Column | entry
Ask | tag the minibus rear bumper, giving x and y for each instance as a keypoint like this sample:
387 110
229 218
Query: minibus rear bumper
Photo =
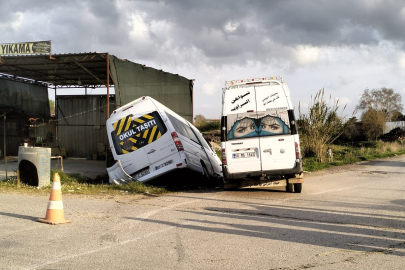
257 174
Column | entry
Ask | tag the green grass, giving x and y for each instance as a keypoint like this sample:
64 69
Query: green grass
349 154
76 184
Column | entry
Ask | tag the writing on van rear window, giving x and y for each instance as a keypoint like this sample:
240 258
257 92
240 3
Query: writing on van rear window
258 124
137 129
131 133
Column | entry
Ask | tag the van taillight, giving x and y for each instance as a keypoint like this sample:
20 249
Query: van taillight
223 157
177 142
297 151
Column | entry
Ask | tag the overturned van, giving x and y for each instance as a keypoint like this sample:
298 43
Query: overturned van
147 140
259 138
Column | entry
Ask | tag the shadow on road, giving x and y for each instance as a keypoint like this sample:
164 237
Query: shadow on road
295 225
383 163
18 216
186 180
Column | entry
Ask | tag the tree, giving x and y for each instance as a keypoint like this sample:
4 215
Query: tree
199 119
397 116
52 106
373 124
320 126
383 100
351 132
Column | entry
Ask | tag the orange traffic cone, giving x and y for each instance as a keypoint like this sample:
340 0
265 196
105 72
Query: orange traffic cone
54 213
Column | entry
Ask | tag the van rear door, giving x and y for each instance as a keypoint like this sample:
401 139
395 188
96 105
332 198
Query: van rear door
135 137
157 150
243 150
276 142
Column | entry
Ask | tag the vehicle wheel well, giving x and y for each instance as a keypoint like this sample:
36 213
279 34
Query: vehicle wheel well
203 164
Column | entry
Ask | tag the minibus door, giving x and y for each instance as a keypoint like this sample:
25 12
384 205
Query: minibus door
276 142
242 148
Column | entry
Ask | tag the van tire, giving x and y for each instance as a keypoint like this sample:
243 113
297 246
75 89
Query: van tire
230 185
205 173
298 187
289 187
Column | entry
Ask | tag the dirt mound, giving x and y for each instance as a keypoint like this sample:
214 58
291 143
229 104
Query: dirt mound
397 134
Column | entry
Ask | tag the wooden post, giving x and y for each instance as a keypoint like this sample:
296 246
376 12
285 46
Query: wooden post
5 146
108 85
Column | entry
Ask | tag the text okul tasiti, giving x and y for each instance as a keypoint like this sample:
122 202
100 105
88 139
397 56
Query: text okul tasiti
138 129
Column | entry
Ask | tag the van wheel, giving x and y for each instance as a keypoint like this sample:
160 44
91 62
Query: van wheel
289 187
205 173
230 185
298 187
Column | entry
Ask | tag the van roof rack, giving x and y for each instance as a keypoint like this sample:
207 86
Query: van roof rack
253 80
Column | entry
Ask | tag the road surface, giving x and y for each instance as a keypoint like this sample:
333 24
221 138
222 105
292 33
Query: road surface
351 217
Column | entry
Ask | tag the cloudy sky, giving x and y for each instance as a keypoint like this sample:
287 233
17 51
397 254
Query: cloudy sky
342 46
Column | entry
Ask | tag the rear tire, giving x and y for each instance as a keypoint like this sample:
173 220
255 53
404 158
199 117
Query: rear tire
205 173
230 184
289 187
298 187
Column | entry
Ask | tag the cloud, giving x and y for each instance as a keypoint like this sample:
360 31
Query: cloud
306 54
209 88
344 46
204 106
402 61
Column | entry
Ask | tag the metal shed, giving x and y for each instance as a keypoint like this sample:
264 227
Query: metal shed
96 70
81 125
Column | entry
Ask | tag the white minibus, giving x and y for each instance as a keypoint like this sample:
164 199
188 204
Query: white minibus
259 138
147 140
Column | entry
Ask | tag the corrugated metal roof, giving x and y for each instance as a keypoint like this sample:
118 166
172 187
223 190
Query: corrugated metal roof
65 70
60 70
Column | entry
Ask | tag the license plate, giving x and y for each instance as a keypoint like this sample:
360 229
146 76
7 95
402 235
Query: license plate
163 165
142 173
243 155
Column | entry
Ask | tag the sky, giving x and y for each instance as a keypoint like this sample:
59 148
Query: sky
343 47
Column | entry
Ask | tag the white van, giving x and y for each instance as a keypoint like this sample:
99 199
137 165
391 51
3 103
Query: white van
147 139
259 138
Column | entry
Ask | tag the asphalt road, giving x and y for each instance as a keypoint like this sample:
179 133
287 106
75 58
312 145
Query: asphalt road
351 217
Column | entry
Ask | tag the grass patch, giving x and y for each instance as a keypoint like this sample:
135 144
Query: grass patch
76 184
351 153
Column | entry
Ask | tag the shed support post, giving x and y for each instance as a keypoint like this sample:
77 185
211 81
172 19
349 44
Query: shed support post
5 145
108 85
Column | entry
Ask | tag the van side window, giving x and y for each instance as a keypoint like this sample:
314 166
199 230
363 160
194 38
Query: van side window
182 128
129 134
202 140
191 134
177 125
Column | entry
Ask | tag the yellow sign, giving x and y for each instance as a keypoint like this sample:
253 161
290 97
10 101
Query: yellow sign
36 47
133 134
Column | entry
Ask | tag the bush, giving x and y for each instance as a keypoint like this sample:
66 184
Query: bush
320 126
208 126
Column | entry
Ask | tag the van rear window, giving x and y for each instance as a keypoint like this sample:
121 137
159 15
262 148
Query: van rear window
132 133
261 124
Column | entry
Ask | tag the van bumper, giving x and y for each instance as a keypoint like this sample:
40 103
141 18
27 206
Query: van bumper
117 175
257 174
